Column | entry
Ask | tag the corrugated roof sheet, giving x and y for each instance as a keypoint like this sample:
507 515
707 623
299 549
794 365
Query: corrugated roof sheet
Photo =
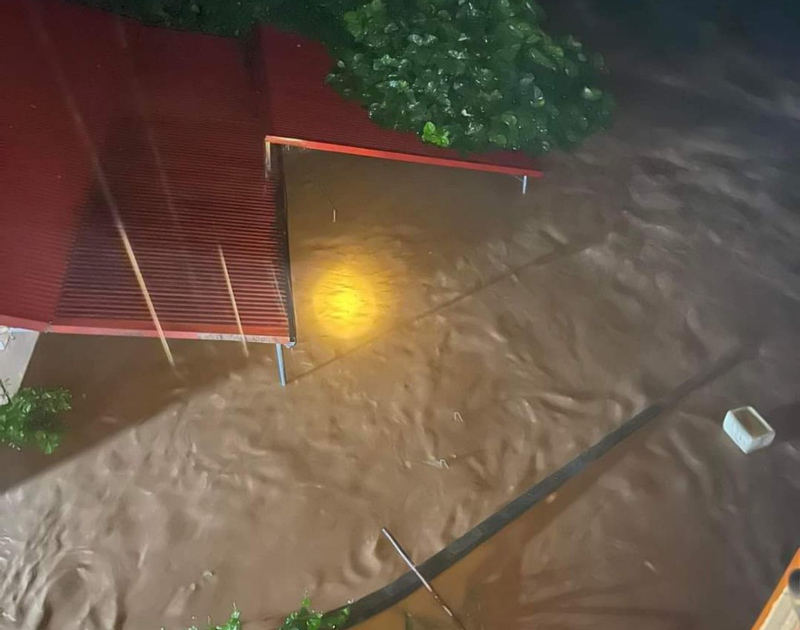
170 120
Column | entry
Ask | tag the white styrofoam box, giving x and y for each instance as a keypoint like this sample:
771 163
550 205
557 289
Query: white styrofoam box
748 429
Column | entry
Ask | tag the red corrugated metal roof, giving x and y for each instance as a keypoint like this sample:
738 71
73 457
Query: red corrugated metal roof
171 121
211 193
304 111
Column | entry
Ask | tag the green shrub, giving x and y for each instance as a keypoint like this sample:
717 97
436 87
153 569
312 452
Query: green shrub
31 418
472 74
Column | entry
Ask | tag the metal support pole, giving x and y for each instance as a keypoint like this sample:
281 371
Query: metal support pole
410 563
140 278
233 300
524 184
281 364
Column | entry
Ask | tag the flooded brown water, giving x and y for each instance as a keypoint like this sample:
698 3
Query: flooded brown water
458 342
648 537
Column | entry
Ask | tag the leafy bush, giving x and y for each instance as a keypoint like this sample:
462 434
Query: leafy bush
472 74
302 619
31 418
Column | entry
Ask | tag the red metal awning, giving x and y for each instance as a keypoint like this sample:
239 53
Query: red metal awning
207 193
304 111
162 126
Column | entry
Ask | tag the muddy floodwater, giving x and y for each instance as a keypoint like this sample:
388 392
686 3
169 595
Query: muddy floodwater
458 341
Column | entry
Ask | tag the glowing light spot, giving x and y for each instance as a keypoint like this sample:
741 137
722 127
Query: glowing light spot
347 302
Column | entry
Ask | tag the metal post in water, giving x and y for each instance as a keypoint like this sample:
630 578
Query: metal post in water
281 364
407 559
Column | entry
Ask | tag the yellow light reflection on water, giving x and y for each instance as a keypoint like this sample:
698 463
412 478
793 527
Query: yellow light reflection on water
348 301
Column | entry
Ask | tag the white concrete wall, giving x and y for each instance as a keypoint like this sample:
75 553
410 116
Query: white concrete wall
16 349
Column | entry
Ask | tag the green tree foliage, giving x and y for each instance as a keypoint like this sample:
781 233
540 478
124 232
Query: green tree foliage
31 417
472 74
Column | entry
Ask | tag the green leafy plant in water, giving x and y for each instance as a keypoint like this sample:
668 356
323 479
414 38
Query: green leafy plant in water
472 74
304 618
31 417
